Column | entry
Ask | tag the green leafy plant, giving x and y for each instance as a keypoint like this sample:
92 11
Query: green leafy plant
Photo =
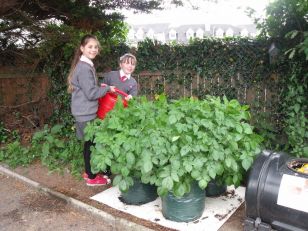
124 141
7 135
14 154
56 148
296 123
171 144
4 133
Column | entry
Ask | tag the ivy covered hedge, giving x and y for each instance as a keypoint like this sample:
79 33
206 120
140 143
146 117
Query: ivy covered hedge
237 68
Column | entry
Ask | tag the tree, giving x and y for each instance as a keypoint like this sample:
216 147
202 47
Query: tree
27 22
286 23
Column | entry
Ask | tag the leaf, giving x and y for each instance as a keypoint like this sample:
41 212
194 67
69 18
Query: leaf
195 174
292 34
50 139
125 171
234 165
175 138
228 162
130 158
164 173
172 119
161 191
247 128
185 150
175 176
292 53
215 154
59 143
247 162
123 186
296 107
180 190
45 149
202 184
238 128
147 166
167 183
188 166
212 172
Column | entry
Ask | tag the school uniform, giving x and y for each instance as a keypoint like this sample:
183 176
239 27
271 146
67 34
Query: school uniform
84 98
125 83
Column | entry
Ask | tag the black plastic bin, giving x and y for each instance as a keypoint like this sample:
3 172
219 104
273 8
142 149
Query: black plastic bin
277 194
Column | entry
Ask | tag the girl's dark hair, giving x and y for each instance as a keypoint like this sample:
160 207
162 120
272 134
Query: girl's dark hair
84 40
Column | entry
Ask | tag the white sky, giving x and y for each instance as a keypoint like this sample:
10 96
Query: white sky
225 11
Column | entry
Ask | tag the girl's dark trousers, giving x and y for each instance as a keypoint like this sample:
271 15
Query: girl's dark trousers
87 158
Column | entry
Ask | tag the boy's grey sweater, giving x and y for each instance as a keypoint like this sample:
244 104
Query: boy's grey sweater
112 78
84 101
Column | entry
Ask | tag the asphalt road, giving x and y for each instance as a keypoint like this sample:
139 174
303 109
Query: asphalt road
23 208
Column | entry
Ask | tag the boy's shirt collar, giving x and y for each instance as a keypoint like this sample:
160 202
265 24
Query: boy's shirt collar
123 74
87 60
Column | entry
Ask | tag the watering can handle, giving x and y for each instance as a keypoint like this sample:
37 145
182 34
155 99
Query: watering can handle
120 92
116 90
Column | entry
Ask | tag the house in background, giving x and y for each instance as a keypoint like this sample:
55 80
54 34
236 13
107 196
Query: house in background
167 32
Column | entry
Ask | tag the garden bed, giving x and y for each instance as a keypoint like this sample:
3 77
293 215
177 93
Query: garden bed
76 188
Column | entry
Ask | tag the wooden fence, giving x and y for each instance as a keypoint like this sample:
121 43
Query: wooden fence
23 90
261 96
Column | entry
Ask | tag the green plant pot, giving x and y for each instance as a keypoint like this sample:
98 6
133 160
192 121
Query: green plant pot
184 209
214 189
139 193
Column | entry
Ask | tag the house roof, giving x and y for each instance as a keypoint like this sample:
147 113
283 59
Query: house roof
163 29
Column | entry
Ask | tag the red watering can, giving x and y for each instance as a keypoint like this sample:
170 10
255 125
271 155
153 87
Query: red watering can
108 101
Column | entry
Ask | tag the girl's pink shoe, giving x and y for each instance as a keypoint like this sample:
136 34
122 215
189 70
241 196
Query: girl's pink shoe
98 181
85 176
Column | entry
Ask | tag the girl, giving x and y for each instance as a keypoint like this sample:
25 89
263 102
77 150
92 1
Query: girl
83 85
122 79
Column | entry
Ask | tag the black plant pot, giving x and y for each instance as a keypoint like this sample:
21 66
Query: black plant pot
184 209
139 193
214 189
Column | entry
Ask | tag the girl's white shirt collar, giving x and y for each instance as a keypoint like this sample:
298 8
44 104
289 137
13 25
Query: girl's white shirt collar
87 60
122 74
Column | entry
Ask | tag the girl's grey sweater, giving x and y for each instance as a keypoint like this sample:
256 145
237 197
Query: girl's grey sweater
130 86
84 101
